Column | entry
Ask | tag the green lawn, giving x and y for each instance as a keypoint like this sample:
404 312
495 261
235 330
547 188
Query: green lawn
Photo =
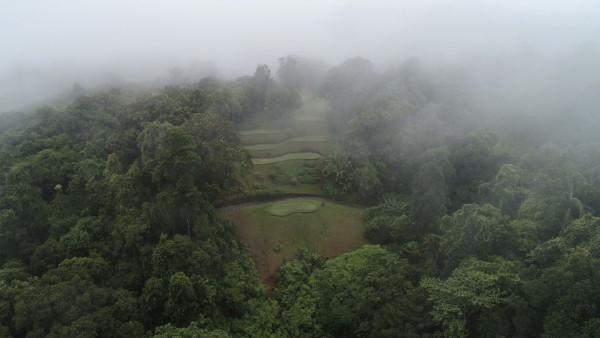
331 230
257 136
291 207
309 139
259 132
317 144
284 164
286 157
293 176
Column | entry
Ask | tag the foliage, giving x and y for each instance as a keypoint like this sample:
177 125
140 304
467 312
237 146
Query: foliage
356 292
90 188
481 225
283 101
462 302
299 72
430 197
474 230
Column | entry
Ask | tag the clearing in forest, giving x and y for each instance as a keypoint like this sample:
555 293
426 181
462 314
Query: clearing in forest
318 144
287 160
257 136
287 177
286 157
321 226
283 209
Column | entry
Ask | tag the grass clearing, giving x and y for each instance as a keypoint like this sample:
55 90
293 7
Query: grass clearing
331 230
293 176
259 132
286 157
267 146
291 207
309 139
315 144
257 136
292 165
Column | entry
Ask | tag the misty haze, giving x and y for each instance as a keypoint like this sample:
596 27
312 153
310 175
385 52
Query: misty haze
300 168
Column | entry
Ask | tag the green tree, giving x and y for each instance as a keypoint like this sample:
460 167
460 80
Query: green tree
473 297
348 86
257 88
180 306
475 161
221 155
474 230
283 101
429 200
299 72
194 330
359 292
338 168
554 202
506 191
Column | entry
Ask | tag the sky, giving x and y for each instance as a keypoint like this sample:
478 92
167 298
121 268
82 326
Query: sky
142 39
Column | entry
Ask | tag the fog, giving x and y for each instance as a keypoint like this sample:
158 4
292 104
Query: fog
49 45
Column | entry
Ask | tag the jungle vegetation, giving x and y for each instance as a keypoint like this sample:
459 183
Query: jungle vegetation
482 220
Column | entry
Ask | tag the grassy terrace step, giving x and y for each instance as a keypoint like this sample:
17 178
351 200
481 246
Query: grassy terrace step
316 144
309 139
286 157
291 207
259 132
293 176
269 146
257 136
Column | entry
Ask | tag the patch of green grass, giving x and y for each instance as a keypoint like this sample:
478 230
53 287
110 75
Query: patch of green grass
259 132
293 176
316 144
257 136
308 139
287 154
297 176
267 146
286 157
331 230
291 207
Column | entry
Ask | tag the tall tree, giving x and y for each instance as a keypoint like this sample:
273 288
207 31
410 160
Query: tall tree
474 299
430 197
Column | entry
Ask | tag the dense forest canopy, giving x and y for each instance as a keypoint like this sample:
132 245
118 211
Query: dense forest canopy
481 221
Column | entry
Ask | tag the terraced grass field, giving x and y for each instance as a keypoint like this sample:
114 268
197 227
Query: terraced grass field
317 144
258 136
291 207
330 230
309 139
287 160
293 176
260 132
306 156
